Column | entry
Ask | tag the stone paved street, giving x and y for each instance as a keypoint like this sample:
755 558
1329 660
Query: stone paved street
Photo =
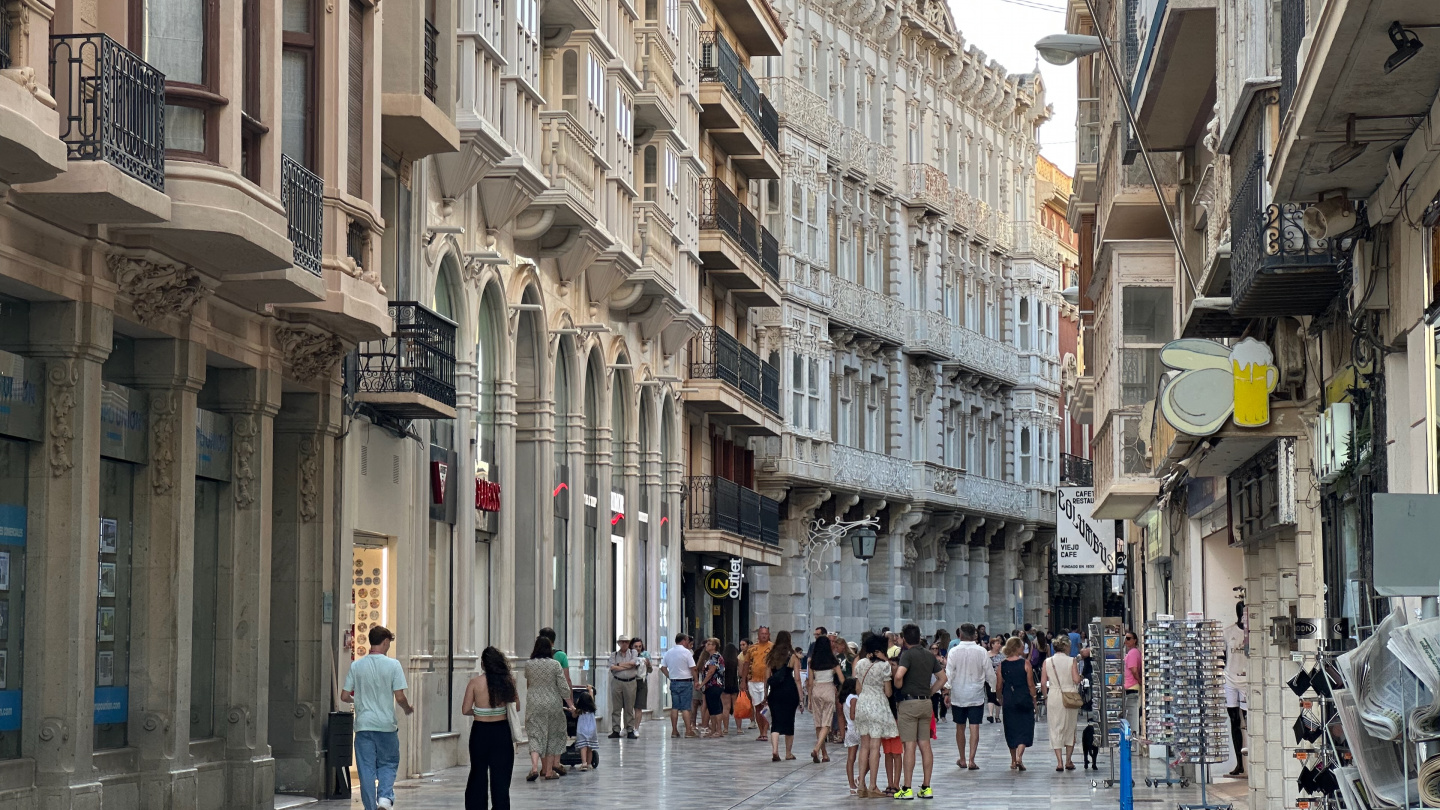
736 772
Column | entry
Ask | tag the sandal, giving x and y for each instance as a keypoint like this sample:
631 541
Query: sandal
774 757
974 767
789 756
532 776
1069 766
825 758
814 757
551 776
1020 767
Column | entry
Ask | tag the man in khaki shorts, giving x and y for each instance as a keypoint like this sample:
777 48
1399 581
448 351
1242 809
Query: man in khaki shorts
753 672
913 689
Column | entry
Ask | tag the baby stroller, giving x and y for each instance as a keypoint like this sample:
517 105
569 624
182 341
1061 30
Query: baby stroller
572 754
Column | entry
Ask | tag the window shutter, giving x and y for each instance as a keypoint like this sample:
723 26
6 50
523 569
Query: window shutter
356 150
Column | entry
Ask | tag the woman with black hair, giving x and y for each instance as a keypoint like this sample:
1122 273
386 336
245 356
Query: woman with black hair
782 694
825 676
545 689
492 751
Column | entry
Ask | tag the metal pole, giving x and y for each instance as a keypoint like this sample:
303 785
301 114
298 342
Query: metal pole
1144 148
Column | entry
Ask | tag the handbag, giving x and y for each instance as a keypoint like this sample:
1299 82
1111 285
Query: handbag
1071 700
517 729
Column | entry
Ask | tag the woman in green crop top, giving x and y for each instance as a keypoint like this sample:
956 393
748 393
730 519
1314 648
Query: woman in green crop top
492 752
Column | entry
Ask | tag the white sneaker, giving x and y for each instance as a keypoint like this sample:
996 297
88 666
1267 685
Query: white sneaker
384 803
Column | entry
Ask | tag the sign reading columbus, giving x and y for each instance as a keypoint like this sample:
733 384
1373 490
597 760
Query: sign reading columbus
1083 545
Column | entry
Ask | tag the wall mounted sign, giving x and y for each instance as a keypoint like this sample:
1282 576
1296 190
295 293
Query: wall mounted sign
212 445
487 495
717 583
21 383
1217 382
1083 545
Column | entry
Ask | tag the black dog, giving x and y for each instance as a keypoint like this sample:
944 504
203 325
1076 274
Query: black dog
1092 748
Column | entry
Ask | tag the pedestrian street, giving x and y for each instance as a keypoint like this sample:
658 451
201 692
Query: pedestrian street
735 773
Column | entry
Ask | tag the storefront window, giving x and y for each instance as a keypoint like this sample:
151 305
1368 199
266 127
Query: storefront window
112 620
13 527
203 609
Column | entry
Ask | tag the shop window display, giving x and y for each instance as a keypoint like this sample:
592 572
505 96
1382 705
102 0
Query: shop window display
369 597
13 529
112 615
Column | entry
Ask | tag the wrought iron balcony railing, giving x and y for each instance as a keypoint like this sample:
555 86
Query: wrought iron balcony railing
112 105
418 358
720 63
1076 471
431 35
721 504
1276 267
720 210
717 355
302 192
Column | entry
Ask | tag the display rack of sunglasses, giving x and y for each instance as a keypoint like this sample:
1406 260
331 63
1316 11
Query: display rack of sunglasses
1184 697
1109 698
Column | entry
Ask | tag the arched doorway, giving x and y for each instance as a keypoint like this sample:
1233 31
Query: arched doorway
532 458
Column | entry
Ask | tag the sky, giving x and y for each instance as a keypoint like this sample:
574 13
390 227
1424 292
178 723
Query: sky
1006 30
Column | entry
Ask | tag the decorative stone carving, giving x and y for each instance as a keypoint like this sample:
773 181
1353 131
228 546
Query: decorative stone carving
309 480
63 376
922 389
246 433
158 289
162 435
310 355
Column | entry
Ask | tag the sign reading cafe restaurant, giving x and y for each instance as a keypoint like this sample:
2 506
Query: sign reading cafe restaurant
1083 545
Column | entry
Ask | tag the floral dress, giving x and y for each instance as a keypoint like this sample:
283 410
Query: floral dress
545 694
872 711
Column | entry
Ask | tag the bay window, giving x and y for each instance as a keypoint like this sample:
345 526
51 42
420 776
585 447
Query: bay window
297 82
180 39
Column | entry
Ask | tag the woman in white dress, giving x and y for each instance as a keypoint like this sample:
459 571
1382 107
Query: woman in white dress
1060 674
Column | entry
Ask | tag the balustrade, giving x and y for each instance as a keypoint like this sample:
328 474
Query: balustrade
112 105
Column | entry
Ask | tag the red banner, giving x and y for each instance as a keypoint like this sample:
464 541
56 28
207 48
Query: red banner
487 495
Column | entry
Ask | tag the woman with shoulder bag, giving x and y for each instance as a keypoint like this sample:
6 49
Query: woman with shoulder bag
782 694
489 698
1061 675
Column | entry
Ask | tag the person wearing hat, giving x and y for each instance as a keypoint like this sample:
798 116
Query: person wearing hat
624 669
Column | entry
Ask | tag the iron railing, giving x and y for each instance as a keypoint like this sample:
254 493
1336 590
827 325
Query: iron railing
302 192
418 357
720 63
4 36
1277 268
720 210
721 504
717 355
431 36
1292 32
1076 471
112 103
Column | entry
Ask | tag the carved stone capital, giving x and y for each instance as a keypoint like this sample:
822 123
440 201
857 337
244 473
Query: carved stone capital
311 355
157 288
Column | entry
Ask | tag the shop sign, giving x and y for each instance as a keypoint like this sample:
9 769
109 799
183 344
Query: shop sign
717 583
212 445
487 495
21 413
112 704
1216 384
1083 545
122 423
10 710
443 498
13 521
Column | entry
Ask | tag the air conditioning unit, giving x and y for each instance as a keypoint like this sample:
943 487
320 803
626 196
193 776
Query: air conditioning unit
1333 441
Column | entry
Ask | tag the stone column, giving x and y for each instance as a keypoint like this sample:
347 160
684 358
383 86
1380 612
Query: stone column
779 596
901 562
251 397
303 558
502 549
73 340
464 643
956 609
1002 569
171 372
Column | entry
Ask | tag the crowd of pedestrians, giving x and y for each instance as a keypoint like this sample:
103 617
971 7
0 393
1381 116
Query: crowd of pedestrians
881 698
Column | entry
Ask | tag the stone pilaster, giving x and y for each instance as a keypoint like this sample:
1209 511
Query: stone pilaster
467 639
63 557
780 596
1003 568
303 568
162 570
502 551
251 398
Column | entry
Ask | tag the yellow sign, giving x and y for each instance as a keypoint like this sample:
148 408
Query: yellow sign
1216 381
717 583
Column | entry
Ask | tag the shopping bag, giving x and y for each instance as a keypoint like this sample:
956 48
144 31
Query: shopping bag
743 709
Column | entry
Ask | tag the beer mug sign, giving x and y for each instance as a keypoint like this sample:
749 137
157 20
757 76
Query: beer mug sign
1216 381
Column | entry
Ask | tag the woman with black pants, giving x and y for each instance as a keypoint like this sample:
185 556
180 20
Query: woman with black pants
492 749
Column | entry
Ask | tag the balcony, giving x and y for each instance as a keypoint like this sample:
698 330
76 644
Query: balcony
978 354
417 103
801 110
861 158
733 384
29 150
756 26
1123 486
1276 267
927 188
735 114
867 310
930 335
659 96
411 374
112 122
1038 242
1088 143
728 520
947 486
1076 471
869 473
739 253
302 195
1174 84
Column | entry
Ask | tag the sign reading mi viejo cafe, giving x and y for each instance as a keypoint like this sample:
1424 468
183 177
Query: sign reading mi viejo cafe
1217 383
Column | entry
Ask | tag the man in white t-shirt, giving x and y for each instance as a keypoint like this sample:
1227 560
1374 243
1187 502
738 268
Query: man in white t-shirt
967 675
678 666
375 684
1237 702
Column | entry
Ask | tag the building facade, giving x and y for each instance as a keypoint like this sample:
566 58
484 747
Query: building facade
916 336
1299 184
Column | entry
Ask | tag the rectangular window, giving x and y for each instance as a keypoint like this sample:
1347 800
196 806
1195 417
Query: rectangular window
204 609
813 390
797 390
845 411
14 475
112 614
355 149
177 38
1146 315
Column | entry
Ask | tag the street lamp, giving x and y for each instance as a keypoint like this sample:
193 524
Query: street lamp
1062 49
862 543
